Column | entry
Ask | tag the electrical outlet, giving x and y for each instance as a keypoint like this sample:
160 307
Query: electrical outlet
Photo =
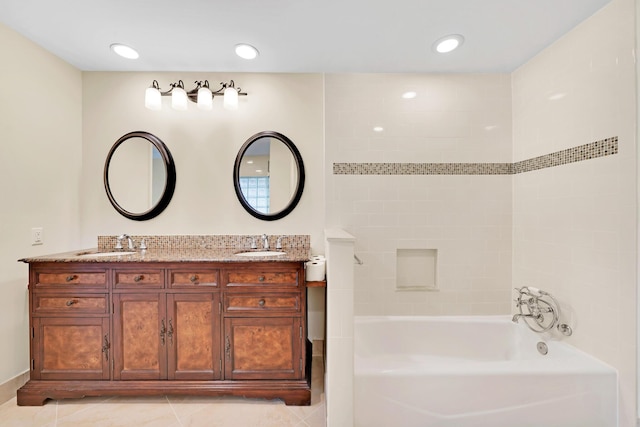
37 236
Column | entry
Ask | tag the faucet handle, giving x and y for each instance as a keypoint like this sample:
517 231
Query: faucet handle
119 240
279 242
254 244
143 245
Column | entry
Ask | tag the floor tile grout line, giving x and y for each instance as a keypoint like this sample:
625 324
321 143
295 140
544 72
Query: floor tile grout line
174 411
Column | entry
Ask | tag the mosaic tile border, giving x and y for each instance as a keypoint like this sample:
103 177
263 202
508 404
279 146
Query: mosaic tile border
605 147
228 241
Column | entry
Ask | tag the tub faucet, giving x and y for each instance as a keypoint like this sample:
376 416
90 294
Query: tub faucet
265 241
129 241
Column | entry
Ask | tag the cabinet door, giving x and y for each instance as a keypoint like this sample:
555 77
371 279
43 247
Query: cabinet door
140 336
263 348
193 336
70 348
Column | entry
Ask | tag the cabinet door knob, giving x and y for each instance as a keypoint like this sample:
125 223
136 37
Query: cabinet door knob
261 279
261 302
70 277
138 278
71 302
194 278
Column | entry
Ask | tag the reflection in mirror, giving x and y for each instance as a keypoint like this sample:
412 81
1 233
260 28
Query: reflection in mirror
269 175
139 176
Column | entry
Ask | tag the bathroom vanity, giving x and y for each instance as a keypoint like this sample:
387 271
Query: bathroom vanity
168 322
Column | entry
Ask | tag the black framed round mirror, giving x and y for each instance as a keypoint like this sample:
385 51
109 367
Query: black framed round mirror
268 175
139 176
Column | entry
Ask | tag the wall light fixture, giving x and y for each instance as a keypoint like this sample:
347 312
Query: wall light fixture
202 95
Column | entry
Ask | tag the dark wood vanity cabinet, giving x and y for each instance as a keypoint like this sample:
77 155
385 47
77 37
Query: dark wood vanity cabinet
168 328
70 323
166 336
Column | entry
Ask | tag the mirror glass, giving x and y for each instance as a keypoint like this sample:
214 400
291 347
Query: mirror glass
269 175
139 176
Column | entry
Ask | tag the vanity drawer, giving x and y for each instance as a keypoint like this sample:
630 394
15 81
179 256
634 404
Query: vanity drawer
69 304
151 279
193 278
282 303
94 279
262 278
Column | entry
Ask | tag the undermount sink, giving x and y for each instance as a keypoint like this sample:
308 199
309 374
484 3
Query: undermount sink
261 253
101 254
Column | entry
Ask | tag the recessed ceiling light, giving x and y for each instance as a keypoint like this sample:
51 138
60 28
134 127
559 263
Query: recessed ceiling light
125 51
448 43
378 129
246 51
409 95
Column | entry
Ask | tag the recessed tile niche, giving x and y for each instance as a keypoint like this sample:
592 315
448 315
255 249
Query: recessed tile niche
416 269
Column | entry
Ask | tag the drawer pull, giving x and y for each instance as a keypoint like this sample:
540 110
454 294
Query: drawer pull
194 278
71 277
138 278
261 279
261 302
71 302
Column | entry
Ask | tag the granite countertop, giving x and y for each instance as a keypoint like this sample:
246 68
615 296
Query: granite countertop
173 255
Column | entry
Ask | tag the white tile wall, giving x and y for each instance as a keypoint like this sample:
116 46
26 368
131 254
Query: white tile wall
454 118
575 225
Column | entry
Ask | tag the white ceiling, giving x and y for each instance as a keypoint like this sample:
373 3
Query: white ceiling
296 35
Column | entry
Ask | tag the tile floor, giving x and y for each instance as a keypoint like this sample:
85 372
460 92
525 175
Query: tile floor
172 411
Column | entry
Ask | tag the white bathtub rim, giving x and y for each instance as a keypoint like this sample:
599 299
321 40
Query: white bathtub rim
492 319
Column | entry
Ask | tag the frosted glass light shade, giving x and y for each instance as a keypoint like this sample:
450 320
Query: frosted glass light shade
205 99
152 99
179 99
230 98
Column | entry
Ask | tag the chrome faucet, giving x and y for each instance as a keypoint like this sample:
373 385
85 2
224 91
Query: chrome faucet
516 317
129 241
265 241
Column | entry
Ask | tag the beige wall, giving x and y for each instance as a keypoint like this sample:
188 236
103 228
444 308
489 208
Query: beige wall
204 145
40 163
575 225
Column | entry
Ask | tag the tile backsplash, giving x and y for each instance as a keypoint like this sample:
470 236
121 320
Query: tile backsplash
206 241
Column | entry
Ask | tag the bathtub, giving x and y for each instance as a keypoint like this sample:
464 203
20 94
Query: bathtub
474 371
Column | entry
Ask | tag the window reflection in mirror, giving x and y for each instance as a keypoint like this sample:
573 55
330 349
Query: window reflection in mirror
268 175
